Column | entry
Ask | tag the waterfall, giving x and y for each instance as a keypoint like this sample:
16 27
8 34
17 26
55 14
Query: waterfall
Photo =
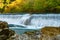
34 21
26 19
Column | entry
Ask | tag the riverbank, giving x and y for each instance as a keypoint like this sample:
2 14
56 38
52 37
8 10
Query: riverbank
46 33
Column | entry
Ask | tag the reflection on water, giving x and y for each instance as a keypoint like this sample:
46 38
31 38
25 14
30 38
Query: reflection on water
34 21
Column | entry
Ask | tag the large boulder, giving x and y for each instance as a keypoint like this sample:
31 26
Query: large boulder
6 33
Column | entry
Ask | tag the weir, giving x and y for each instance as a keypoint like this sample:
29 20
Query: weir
32 21
26 22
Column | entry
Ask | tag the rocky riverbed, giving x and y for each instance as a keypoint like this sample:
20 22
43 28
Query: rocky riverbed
46 33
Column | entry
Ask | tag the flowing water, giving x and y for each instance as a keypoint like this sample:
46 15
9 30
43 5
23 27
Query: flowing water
24 22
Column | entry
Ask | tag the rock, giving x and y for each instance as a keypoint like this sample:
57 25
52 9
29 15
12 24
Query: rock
46 33
57 37
6 33
32 35
50 33
3 25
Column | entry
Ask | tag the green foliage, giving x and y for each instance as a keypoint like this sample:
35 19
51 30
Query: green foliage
16 10
35 6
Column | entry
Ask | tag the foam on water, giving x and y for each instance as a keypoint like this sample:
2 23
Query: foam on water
34 21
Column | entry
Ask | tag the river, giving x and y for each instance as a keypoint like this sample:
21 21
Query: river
26 22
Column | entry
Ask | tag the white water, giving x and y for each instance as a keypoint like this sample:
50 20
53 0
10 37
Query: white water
35 21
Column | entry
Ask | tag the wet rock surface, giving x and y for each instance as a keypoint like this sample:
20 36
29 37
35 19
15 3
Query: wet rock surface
46 33
3 25
5 32
50 33
33 35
